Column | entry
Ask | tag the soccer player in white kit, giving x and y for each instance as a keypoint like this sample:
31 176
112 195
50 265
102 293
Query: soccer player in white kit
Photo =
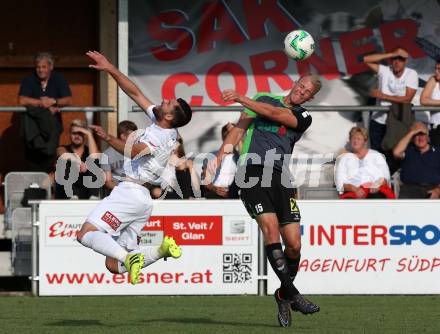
113 227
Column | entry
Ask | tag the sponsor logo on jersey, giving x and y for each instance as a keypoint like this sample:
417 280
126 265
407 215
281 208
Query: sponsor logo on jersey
293 206
111 220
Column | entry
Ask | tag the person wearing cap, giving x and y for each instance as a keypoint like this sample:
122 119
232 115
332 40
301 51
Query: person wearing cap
123 214
420 167
397 84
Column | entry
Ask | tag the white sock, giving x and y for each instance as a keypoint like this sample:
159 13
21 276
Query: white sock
151 255
104 244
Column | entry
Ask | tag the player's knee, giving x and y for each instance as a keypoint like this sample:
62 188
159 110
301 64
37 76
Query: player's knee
271 237
293 249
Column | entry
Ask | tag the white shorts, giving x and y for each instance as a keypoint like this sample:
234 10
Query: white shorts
123 213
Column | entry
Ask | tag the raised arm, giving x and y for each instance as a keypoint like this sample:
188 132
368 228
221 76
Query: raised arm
283 116
400 148
128 86
373 60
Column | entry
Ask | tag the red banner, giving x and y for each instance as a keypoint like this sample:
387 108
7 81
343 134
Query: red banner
194 230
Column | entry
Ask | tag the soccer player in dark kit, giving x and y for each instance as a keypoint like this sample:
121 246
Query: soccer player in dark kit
273 124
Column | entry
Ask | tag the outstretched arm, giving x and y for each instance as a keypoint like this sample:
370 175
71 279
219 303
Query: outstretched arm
283 116
128 86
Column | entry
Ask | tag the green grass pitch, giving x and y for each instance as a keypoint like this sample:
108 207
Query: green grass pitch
216 314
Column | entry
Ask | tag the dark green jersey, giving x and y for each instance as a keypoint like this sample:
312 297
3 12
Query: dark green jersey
264 135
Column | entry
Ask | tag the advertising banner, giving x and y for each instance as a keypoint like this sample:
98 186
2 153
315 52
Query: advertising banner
196 49
218 239
348 247
368 247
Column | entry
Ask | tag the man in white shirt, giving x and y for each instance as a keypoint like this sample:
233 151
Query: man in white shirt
397 84
125 211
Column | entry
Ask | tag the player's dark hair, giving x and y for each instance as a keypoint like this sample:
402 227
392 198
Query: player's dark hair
125 126
182 114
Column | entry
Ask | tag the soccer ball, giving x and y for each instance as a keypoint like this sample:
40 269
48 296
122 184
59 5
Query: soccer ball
299 44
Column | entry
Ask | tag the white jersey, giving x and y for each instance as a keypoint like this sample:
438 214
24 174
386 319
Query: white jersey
390 85
161 143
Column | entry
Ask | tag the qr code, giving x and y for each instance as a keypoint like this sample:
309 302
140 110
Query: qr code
237 267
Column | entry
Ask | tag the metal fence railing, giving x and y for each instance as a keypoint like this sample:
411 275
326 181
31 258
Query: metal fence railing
309 108
225 108
64 109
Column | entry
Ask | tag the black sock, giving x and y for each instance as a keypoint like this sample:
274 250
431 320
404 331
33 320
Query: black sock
292 265
279 264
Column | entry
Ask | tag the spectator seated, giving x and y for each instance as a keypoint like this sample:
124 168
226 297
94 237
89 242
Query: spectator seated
363 172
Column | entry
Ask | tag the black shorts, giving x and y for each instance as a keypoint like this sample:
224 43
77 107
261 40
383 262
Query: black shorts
269 199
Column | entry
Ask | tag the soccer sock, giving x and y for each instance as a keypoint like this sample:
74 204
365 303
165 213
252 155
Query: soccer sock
151 255
104 244
279 264
292 265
